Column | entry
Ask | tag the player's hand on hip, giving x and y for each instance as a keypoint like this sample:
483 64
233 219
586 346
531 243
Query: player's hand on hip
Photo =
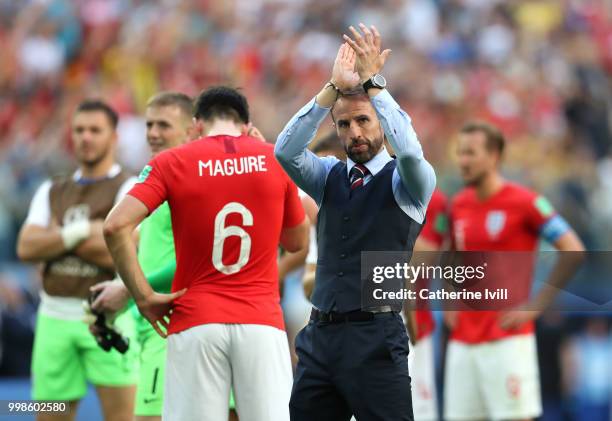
370 60
112 296
514 319
343 72
156 308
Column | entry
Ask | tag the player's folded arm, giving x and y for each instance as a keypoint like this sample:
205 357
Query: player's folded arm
38 239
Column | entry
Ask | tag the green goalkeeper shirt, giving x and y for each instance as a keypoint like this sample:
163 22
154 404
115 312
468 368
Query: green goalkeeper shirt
156 256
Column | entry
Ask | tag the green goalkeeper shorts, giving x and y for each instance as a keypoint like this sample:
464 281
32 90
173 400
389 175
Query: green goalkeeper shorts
150 392
66 357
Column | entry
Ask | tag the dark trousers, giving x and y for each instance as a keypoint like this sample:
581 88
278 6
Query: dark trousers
352 368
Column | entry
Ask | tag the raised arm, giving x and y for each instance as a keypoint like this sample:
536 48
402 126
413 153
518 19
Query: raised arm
414 177
414 180
307 170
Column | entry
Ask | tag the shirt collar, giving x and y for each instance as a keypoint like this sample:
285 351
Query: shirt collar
374 165
114 170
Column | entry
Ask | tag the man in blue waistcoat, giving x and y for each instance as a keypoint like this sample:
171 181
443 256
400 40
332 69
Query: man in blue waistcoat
351 361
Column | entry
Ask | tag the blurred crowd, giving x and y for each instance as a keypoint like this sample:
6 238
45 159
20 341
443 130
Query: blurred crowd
539 69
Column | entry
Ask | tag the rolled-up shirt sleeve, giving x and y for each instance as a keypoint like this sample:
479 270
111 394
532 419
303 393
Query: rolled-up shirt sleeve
414 179
306 169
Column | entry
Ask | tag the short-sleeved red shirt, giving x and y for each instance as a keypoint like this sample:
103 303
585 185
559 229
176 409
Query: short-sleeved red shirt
434 231
510 220
229 200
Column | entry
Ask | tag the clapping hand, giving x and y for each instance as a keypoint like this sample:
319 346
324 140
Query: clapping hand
344 76
369 60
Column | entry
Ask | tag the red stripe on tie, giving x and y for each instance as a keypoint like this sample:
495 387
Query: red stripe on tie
357 183
357 175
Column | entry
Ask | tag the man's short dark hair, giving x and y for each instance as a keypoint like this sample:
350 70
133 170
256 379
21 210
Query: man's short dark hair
495 140
176 99
354 92
90 105
222 102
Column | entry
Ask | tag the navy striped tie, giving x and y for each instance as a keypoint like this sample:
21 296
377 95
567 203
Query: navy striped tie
357 175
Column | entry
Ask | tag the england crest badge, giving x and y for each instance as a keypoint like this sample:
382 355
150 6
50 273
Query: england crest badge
495 222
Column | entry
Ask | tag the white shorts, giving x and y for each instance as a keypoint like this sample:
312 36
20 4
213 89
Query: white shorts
422 373
205 361
496 380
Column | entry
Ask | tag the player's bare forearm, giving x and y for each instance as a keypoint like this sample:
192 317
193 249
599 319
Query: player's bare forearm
291 261
39 244
571 256
118 229
123 252
96 252
308 281
94 249
296 238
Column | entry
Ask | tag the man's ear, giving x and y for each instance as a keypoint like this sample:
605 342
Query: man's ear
199 128
246 128
191 132
498 159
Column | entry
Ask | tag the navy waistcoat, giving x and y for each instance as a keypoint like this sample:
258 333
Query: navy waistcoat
369 219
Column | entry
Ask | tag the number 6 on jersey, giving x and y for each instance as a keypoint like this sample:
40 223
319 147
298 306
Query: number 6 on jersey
222 232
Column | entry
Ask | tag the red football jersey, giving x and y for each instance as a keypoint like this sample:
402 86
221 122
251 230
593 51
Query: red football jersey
510 220
229 200
436 219
434 231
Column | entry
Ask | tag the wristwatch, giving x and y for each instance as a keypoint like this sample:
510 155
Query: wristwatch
376 81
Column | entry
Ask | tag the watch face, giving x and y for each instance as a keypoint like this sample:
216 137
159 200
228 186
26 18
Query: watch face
379 81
